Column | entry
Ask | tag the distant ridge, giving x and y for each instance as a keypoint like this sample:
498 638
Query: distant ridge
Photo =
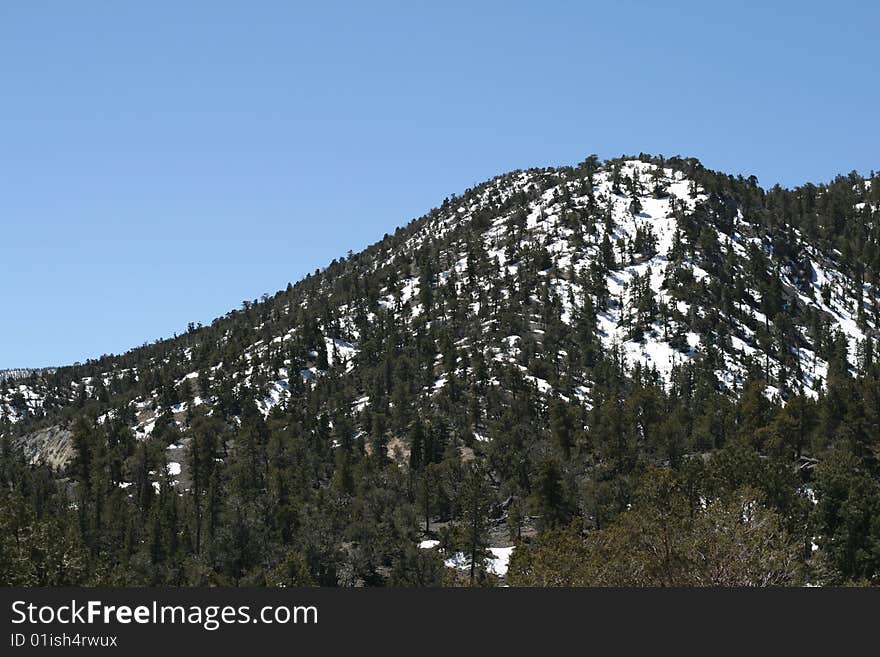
22 373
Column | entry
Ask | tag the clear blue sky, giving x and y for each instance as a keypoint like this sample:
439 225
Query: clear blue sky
161 161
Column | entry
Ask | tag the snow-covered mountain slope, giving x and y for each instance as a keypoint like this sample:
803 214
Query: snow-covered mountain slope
657 263
653 295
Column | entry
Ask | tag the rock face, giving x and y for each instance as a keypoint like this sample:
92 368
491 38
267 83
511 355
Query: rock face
52 446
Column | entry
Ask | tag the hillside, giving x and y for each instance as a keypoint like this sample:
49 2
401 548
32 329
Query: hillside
551 360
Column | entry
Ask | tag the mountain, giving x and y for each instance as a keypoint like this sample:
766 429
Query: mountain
535 354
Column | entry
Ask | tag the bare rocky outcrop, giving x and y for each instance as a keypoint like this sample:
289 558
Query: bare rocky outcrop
52 446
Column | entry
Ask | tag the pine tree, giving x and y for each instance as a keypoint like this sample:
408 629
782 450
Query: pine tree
476 499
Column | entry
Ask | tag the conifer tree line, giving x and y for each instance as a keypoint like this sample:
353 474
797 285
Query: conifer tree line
441 389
